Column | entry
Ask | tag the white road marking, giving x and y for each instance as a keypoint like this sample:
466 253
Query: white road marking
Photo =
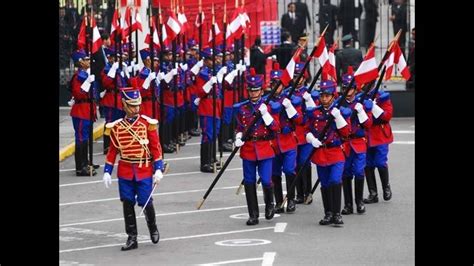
160 214
115 179
268 258
166 160
156 194
85 231
409 142
242 242
171 238
280 227
69 238
245 216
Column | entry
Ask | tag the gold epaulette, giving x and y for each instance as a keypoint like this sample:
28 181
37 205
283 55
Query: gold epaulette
153 123
110 125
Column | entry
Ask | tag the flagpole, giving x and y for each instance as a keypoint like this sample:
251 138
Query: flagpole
160 38
91 94
224 63
175 82
136 43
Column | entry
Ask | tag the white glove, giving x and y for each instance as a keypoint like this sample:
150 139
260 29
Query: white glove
200 63
102 94
146 83
174 71
71 102
107 180
340 121
157 176
223 70
208 86
197 101
184 67
267 118
289 108
136 68
86 85
113 70
230 77
376 110
91 78
196 67
168 76
159 77
308 100
310 138
361 114
122 74
238 140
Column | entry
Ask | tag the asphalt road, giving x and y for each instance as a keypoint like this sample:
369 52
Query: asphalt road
92 227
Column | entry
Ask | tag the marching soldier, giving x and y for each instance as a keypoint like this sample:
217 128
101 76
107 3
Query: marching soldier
230 97
303 185
146 81
135 138
355 146
204 83
256 151
285 142
112 79
329 157
82 81
190 78
379 137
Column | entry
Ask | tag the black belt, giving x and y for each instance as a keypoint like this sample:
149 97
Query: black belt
82 101
329 146
257 138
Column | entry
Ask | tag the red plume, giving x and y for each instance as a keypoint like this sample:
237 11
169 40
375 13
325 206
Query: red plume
252 71
350 70
276 66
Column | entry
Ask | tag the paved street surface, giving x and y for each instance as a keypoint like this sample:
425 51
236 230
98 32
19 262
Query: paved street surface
92 227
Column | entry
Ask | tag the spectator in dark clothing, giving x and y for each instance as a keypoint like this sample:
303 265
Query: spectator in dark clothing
293 22
64 41
346 17
303 42
72 22
411 62
257 57
327 16
348 56
371 18
284 51
302 8
399 20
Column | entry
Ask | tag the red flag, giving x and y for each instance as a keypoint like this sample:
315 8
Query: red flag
173 27
183 20
332 62
367 70
115 27
219 35
156 41
81 37
287 75
124 24
136 21
401 63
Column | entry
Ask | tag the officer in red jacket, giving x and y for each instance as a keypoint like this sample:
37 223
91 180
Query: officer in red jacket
135 138
81 83
257 149
285 142
355 146
379 137
329 157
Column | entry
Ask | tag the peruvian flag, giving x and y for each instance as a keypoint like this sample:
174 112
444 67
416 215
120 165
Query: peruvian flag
173 27
164 36
322 55
124 23
183 20
156 41
115 27
219 35
389 65
237 23
136 22
332 62
96 40
401 63
287 75
367 70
